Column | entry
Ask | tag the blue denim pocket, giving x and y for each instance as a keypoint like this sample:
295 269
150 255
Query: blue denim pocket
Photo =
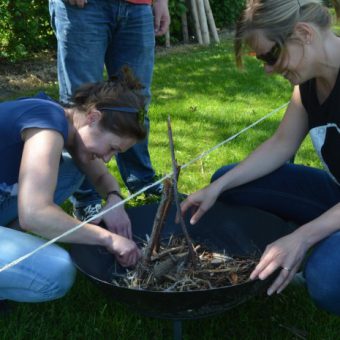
3 196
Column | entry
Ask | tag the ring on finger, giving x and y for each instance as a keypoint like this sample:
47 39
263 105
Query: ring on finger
286 269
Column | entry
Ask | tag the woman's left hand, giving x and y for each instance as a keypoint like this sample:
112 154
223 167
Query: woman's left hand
116 220
286 253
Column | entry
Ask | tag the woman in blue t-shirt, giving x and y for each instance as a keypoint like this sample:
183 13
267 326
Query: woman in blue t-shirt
293 38
46 150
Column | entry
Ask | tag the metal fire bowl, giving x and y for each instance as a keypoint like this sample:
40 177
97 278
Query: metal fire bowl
235 230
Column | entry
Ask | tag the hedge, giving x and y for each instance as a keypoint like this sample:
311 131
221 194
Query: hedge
25 25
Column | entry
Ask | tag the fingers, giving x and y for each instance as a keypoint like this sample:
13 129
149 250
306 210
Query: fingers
282 280
162 26
197 215
185 205
270 262
118 222
265 267
286 282
78 3
130 259
156 24
162 17
197 211
197 207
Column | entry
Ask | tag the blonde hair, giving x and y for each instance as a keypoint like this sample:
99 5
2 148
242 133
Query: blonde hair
277 19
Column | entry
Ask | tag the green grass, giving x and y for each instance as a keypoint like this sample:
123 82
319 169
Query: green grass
209 101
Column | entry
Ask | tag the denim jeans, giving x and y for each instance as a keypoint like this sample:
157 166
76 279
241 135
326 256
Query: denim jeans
113 33
48 274
299 193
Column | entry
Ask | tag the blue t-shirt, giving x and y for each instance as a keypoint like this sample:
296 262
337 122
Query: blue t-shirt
15 117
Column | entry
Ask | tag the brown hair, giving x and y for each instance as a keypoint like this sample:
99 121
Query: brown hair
277 19
123 91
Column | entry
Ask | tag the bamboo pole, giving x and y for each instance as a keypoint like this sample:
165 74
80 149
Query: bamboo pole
167 39
196 21
175 169
211 21
159 221
185 31
203 22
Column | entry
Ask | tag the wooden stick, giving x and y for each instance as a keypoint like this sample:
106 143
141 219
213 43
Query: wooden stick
211 21
196 21
203 22
167 39
159 221
175 169
185 31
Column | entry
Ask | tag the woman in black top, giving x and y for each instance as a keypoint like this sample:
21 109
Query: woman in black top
293 38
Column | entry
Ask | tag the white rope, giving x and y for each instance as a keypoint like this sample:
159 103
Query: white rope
101 213
233 137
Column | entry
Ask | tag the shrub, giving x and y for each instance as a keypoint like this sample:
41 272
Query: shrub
24 28
25 25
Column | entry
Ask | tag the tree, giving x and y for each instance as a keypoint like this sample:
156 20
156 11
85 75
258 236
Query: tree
336 4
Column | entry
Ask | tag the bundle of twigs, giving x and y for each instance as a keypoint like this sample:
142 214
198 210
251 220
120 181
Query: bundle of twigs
179 265
170 270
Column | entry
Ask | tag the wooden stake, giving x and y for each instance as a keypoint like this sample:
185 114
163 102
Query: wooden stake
159 221
185 31
211 21
175 169
167 39
196 21
203 22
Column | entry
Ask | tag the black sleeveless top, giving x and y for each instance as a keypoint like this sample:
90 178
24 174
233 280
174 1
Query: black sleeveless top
324 125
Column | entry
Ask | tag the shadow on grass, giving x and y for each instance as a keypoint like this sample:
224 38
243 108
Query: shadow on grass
88 313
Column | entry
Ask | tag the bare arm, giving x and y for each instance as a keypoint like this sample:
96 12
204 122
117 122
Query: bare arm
38 212
275 151
115 219
266 158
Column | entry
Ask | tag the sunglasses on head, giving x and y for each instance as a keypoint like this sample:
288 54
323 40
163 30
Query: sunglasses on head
272 56
139 113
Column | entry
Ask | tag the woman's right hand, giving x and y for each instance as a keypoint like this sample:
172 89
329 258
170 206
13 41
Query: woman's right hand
125 250
200 201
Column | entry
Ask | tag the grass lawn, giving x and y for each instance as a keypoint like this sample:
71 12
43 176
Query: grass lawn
209 100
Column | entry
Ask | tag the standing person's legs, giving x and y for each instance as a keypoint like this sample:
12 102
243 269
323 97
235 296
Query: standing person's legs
82 35
133 44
